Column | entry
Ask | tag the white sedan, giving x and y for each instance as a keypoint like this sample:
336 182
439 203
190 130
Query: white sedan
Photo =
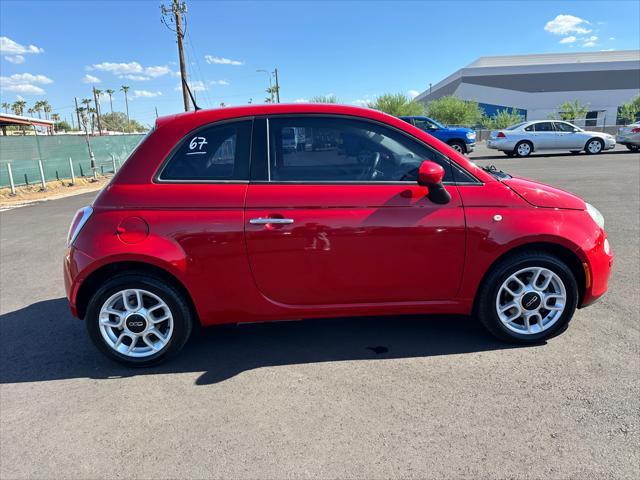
526 137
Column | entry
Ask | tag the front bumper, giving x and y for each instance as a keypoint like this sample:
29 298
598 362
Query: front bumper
597 266
609 144
470 147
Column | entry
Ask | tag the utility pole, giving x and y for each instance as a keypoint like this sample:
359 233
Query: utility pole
77 112
177 10
95 99
156 112
275 73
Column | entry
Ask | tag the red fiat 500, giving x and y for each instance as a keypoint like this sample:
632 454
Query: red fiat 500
277 212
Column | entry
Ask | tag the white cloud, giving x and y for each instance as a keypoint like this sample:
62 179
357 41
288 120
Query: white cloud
590 41
158 71
301 100
144 94
222 60
361 102
136 78
17 59
24 83
219 82
117 68
10 47
413 93
566 24
200 86
90 79
612 38
569 39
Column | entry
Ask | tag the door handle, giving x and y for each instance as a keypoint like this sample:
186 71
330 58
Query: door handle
273 221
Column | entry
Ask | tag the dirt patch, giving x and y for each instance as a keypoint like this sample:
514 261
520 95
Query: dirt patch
55 189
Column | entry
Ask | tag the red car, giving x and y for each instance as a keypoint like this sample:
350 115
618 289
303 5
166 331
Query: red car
278 212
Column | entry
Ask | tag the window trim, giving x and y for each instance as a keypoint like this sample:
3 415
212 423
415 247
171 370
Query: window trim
174 150
477 182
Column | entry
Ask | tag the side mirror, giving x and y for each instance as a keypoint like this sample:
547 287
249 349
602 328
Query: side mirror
430 175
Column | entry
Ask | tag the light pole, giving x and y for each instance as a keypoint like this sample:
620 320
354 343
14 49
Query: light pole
270 87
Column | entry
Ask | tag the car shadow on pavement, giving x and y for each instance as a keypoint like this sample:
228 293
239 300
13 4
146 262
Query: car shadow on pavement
44 342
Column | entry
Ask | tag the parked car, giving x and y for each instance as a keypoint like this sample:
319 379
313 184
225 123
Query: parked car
461 139
526 137
398 223
629 136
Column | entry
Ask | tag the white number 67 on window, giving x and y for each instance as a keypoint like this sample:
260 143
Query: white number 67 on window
197 142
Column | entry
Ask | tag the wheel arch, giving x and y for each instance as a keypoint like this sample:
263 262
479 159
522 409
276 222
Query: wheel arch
101 274
525 140
569 257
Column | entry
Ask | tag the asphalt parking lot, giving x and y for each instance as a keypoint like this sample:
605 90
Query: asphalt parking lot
313 399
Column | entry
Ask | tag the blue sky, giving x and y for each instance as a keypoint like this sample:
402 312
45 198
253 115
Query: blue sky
56 50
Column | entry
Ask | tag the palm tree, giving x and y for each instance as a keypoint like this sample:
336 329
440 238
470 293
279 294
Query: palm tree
37 107
125 89
110 92
87 103
6 107
83 118
18 107
30 111
47 109
55 117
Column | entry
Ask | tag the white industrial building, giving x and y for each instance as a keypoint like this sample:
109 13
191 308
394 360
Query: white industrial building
537 84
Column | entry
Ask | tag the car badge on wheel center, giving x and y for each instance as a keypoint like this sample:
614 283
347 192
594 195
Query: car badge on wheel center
136 323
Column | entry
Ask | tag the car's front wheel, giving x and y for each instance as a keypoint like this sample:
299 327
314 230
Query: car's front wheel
528 297
594 146
458 146
633 148
138 320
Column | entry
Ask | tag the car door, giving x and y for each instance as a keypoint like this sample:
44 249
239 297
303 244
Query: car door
342 221
545 136
568 136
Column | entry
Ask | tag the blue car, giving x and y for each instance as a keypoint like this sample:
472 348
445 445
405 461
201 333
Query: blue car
461 139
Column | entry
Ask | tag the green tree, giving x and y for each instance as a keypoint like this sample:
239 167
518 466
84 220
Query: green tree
503 119
125 89
110 92
18 107
37 107
629 112
6 106
46 108
62 126
324 99
397 104
571 111
454 111
117 122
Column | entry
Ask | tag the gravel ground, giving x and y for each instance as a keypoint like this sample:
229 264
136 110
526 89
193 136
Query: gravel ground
312 399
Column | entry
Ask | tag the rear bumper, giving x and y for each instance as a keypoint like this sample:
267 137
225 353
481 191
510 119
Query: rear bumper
74 263
470 147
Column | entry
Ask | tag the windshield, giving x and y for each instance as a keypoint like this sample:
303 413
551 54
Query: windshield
438 124
517 125
494 172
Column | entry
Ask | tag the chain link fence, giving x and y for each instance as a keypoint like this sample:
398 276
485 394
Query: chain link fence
23 153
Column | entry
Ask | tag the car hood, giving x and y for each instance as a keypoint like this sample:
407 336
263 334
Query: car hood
542 195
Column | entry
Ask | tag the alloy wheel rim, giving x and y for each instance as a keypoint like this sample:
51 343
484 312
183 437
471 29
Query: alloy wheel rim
136 323
524 149
457 147
531 300
595 146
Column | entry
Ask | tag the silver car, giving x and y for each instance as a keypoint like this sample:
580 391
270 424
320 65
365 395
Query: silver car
526 137
629 136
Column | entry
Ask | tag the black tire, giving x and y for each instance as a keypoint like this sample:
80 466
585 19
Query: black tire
487 294
589 142
458 146
523 154
633 148
180 310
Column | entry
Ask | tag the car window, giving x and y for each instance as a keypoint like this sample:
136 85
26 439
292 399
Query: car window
424 124
530 128
563 127
325 149
544 127
218 152
517 125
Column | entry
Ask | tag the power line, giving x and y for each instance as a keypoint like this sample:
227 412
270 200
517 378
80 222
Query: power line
175 14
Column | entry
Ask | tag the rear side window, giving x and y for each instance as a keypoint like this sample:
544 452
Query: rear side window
218 152
544 127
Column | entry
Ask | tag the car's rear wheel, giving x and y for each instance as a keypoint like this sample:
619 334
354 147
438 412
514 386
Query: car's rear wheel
458 146
633 148
528 297
523 149
594 146
138 320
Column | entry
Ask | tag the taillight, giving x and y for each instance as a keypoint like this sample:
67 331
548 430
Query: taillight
78 222
635 130
501 135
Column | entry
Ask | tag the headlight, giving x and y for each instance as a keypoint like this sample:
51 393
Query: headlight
596 215
471 134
